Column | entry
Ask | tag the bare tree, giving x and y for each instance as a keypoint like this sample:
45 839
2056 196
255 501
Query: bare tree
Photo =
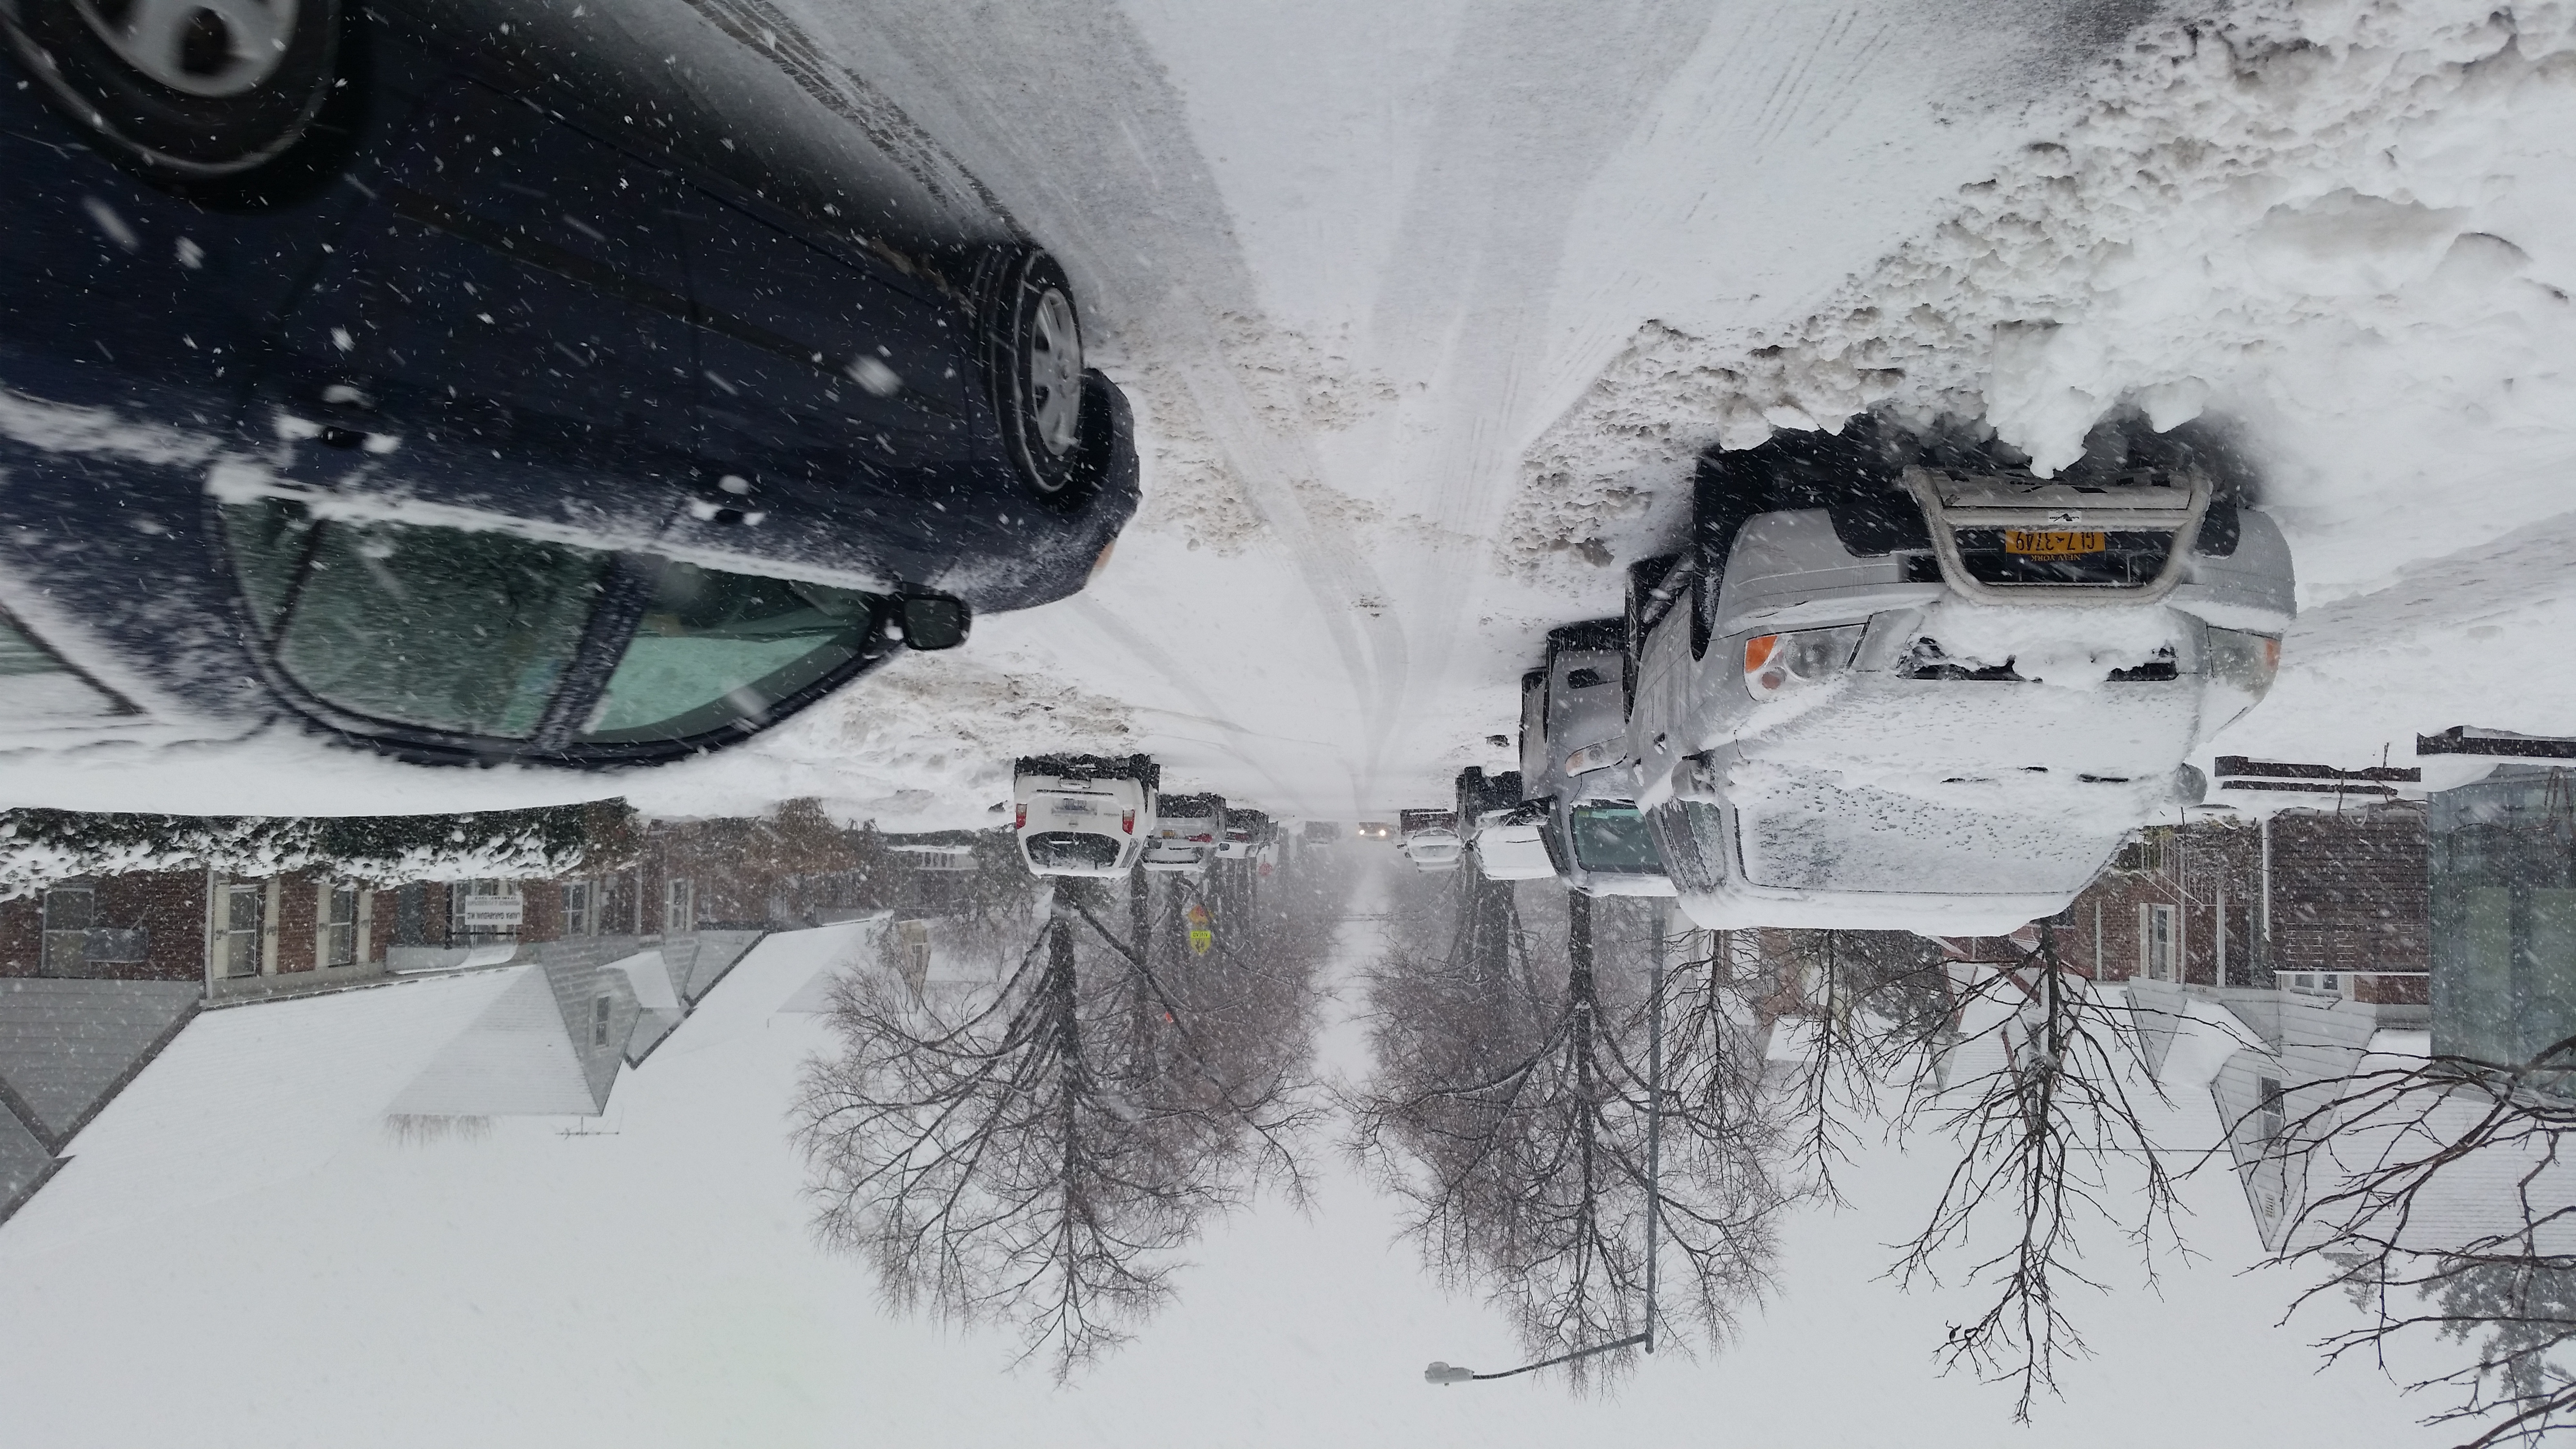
1510 1111
2440 1196
1862 1005
2034 1082
1042 1152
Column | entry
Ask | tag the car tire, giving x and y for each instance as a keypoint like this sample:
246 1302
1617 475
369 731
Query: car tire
1143 770
1644 611
1470 794
211 93
1033 367
1727 490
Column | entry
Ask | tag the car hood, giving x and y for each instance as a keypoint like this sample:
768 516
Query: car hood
1919 832
1880 723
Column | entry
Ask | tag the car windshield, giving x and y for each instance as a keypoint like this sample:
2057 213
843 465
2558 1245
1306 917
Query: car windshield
1877 840
1611 837
441 628
1072 850
715 647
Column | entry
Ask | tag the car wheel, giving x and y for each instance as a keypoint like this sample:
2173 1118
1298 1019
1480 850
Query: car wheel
1727 490
188 90
1470 794
1648 603
1033 360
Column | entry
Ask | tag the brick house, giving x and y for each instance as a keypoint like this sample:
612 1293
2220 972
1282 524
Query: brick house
2330 901
236 935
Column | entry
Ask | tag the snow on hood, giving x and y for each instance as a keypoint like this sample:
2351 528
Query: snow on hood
1916 832
1882 729
2064 646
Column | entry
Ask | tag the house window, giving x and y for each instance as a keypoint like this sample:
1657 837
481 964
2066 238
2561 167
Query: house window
679 909
2142 856
599 1021
2267 1107
339 925
238 929
581 908
2156 942
69 913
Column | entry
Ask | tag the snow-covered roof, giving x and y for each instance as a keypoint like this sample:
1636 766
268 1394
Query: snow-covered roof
251 1095
65 1045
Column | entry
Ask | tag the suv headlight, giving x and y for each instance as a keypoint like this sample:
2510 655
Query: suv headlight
1777 663
2246 661
1592 757
2237 670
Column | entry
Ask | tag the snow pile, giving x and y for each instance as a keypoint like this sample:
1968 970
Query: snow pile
2351 226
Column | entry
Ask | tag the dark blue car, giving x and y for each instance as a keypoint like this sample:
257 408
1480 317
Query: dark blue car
363 373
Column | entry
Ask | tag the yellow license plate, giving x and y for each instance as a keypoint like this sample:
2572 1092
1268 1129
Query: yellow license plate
2036 543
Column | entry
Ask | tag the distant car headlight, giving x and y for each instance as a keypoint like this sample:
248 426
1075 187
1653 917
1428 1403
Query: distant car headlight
1592 757
1777 663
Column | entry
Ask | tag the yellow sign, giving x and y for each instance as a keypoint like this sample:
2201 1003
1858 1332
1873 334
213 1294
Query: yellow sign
1202 929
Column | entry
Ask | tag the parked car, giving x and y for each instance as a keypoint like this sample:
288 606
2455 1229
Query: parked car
1430 839
1901 682
1247 831
461 422
1083 815
1502 830
1575 769
1186 832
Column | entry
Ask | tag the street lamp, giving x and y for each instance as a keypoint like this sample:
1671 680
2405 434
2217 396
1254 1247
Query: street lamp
1449 1373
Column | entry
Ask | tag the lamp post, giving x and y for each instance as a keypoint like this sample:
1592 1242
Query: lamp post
1449 1373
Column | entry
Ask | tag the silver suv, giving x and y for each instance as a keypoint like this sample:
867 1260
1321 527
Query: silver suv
1901 682
1575 766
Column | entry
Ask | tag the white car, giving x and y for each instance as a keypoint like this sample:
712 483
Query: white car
1502 830
1187 831
1246 833
1081 815
1435 849
1903 688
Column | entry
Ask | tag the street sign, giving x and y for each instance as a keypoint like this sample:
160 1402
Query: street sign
1202 929
490 913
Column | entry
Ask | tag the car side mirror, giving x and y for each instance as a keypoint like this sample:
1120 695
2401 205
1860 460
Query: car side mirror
935 621
1531 812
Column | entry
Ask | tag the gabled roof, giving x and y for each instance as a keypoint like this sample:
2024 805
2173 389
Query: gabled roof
66 1046
514 1059
249 1095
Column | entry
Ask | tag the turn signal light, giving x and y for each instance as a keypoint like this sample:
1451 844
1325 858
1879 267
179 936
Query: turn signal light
1774 663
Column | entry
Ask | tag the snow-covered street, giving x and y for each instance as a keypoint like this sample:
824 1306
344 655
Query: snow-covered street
1429 316
1426 314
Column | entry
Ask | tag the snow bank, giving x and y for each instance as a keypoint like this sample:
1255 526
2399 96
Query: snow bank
2350 226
